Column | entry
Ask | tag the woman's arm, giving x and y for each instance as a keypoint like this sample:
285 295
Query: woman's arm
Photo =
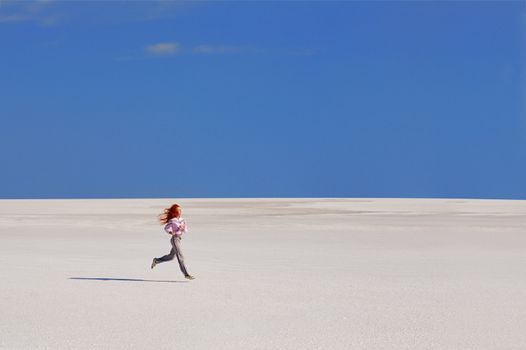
168 228
177 228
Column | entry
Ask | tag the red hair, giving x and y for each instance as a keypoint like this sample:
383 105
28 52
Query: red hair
169 213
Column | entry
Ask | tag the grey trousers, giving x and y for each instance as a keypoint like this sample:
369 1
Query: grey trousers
176 251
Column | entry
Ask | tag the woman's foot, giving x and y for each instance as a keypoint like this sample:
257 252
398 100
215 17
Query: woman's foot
154 262
189 277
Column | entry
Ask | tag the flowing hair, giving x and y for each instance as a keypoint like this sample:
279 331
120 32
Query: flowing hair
169 214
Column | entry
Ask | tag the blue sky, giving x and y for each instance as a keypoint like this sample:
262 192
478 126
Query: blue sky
263 99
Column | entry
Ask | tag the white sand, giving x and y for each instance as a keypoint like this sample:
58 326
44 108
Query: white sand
271 274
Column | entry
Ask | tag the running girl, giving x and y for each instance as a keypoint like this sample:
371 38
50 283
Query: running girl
174 225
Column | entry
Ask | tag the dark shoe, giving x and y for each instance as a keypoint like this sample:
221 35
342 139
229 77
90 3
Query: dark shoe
154 262
189 277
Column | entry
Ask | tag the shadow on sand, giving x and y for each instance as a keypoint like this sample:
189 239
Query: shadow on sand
122 279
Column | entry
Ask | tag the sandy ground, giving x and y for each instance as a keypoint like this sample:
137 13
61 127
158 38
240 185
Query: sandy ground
270 274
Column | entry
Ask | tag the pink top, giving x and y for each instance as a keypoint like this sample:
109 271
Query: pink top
176 226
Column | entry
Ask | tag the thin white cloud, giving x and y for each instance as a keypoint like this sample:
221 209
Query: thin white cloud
36 6
34 11
175 48
172 48
164 49
14 18
45 13
161 10
49 21
210 49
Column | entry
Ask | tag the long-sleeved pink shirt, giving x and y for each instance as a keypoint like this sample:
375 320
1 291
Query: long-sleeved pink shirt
176 226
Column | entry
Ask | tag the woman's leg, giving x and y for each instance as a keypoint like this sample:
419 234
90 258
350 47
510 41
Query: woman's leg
168 256
176 243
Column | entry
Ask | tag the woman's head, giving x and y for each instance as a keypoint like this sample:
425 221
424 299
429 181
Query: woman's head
169 213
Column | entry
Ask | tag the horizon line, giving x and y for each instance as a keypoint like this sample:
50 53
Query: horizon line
284 198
